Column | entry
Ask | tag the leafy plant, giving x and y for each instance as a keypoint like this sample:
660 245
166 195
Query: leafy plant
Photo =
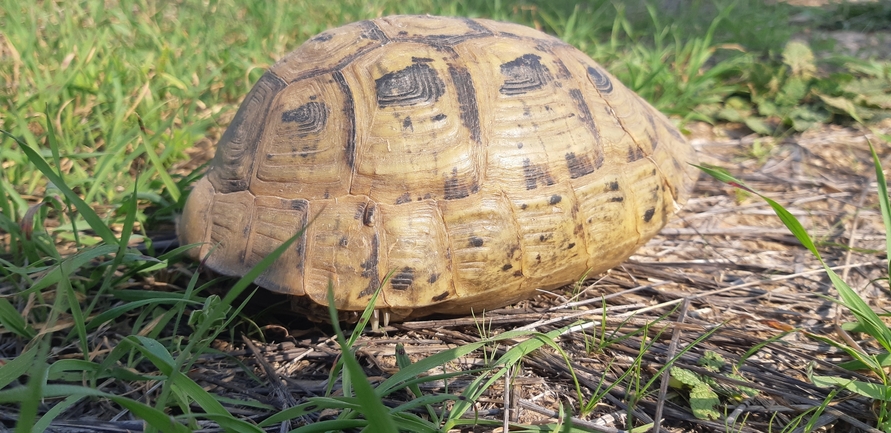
705 392
796 95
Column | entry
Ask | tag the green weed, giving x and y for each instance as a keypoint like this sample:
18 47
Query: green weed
867 321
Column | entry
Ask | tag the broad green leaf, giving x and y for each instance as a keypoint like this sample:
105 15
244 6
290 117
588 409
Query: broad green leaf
872 390
703 401
12 320
843 104
799 57
685 376
15 368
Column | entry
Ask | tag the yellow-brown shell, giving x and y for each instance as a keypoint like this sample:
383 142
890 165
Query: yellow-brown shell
475 160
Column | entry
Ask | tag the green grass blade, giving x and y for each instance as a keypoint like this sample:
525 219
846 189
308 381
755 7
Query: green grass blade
871 322
52 141
69 265
13 321
375 412
154 417
16 368
85 210
44 422
333 425
883 204
172 188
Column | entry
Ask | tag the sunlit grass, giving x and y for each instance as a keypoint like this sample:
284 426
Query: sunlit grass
104 106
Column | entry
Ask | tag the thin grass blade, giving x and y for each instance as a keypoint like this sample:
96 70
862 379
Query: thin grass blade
85 210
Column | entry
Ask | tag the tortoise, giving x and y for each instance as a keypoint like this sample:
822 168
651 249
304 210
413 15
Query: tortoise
462 163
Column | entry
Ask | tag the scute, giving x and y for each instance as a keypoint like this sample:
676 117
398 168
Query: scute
454 164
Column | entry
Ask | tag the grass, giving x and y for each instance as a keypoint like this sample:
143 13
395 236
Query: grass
104 105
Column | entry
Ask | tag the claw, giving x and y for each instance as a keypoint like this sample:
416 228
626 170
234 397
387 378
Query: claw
386 318
375 319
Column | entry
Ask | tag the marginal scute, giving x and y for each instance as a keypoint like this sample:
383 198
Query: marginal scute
451 165
406 230
351 271
275 221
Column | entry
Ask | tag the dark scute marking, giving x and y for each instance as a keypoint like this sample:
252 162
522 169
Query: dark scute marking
416 84
601 82
634 153
518 273
439 117
369 267
506 267
453 188
372 31
570 246
467 105
349 117
404 198
579 165
673 130
562 71
523 206
403 279
524 74
649 116
421 60
343 242
300 243
588 120
433 278
547 237
299 205
322 37
406 124
613 186
535 174
368 215
648 215
477 27
555 199
440 296
310 118
360 210
475 30
476 242
617 199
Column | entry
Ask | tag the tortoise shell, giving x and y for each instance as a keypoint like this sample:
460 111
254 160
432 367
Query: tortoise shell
469 160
